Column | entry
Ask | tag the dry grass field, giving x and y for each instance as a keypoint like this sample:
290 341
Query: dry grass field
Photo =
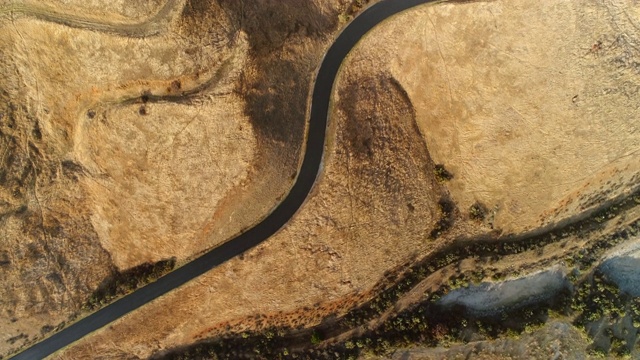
130 138
135 133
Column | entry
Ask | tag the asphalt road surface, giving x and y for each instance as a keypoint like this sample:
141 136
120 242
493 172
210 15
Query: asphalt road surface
311 167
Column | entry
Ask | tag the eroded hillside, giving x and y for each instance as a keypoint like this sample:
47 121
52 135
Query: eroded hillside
475 149
138 134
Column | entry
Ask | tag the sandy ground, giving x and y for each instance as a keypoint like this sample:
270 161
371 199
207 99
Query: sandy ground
487 298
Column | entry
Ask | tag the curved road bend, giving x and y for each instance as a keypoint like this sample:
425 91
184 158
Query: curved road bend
273 222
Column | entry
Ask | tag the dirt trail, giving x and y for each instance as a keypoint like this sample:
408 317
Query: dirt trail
152 26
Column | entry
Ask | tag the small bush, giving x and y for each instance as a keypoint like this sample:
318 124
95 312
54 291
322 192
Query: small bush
315 338
477 211
441 173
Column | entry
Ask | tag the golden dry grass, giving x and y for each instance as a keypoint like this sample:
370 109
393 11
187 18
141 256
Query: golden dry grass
535 138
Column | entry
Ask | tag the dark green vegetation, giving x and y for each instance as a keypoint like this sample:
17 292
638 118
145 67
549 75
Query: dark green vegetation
441 173
609 316
447 217
478 211
123 282
376 326
427 324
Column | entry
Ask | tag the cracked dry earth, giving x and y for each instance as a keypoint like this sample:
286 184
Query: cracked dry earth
532 107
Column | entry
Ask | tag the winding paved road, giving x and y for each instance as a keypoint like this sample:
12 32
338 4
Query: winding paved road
311 167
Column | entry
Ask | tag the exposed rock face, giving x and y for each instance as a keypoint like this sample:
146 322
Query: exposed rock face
622 266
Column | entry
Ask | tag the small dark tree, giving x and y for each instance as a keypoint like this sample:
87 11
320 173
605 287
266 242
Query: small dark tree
477 211
316 338
441 173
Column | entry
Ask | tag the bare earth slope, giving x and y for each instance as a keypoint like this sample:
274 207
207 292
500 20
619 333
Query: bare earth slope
96 163
451 122
422 86
533 116
108 167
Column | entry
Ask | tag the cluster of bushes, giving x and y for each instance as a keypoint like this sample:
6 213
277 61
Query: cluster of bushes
478 211
596 298
586 258
481 248
454 254
447 217
352 10
122 283
271 343
428 323
441 173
